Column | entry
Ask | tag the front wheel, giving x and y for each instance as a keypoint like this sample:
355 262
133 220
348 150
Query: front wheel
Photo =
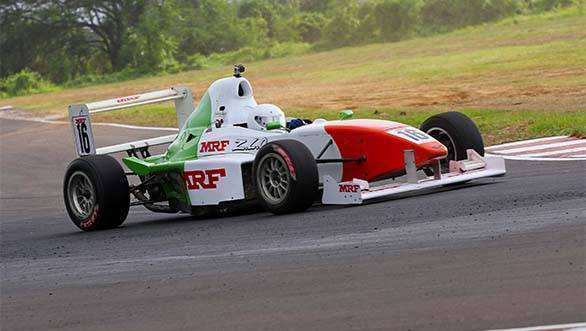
457 132
286 177
96 194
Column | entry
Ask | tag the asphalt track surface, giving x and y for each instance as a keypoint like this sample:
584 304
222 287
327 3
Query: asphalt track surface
498 253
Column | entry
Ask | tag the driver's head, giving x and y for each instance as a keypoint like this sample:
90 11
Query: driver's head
261 115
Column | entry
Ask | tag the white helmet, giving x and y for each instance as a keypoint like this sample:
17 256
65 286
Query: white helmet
261 115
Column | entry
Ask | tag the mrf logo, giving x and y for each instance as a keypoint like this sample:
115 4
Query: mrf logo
79 120
127 99
349 188
214 146
203 179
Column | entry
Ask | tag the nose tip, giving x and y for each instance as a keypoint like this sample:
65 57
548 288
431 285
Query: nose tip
434 150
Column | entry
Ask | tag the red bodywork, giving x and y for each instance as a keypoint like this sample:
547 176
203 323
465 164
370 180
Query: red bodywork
383 151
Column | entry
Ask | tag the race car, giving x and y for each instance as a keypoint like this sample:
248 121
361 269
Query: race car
231 151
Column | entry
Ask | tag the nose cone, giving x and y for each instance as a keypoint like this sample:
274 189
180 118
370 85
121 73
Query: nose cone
426 148
382 145
429 151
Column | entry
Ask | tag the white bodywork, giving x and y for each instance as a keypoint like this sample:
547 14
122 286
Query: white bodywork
212 180
227 103
228 148
238 140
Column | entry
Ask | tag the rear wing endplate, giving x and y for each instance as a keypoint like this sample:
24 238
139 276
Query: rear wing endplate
79 116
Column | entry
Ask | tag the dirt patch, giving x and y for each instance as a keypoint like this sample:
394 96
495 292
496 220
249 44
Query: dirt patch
402 94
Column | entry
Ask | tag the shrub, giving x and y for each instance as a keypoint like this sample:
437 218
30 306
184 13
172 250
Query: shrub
445 15
545 5
197 62
92 79
341 30
395 19
25 82
310 26
287 49
245 54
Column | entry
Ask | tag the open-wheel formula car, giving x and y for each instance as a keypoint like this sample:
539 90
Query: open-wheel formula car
231 151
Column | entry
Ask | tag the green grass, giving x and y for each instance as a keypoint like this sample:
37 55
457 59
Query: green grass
519 78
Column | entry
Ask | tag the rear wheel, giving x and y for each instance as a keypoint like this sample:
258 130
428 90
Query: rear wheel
457 132
95 190
286 177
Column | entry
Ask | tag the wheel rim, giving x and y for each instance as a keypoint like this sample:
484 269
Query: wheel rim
445 139
81 195
273 178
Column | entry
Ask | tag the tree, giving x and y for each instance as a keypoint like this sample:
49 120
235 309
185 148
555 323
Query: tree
208 26
342 26
395 18
310 26
446 15
150 45
107 20
41 43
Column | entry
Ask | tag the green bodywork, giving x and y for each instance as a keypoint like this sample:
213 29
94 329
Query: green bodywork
184 148
345 114
274 125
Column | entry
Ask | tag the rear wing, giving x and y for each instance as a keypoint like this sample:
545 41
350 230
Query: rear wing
79 115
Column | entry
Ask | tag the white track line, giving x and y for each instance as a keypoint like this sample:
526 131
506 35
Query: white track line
116 125
524 158
540 147
566 327
517 143
561 151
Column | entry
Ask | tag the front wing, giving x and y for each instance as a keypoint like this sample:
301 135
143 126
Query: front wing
358 191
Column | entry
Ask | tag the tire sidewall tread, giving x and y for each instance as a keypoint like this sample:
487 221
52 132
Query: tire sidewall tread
304 185
462 130
111 190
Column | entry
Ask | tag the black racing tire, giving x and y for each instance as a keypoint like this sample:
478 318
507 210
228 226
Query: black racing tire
457 132
286 177
96 193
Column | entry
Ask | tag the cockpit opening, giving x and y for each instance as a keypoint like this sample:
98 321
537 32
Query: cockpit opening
244 89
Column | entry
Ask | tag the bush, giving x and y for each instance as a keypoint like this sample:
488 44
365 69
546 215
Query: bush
196 62
342 29
442 15
287 49
92 79
25 82
245 54
396 19
310 26
546 5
